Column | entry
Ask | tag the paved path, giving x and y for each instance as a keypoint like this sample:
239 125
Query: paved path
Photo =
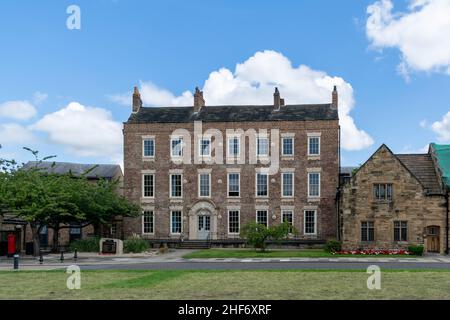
174 260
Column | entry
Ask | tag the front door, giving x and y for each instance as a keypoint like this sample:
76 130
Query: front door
433 239
204 227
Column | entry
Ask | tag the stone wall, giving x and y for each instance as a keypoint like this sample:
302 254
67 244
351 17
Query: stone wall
410 203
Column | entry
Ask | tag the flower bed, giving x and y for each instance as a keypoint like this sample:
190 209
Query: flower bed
374 252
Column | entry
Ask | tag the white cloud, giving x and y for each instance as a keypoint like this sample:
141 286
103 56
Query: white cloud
408 149
253 82
39 97
20 110
421 33
442 128
423 124
11 133
83 131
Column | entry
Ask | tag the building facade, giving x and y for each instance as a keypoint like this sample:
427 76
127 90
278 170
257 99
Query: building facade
393 201
202 172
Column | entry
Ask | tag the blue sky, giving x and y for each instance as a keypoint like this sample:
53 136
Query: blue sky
399 99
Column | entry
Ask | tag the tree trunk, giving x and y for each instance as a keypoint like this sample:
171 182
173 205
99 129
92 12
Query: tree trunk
55 245
36 242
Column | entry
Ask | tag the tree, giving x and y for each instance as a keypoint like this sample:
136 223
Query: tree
54 200
258 234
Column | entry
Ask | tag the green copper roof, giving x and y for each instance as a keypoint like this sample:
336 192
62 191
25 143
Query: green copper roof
442 152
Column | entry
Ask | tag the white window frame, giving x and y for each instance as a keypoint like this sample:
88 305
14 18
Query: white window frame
285 212
172 149
143 222
228 184
170 185
309 191
200 149
282 184
256 185
282 147
143 148
267 216
257 148
143 185
171 222
319 146
239 221
229 155
199 185
315 222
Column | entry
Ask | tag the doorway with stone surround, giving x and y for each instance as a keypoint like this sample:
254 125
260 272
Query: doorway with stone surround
203 221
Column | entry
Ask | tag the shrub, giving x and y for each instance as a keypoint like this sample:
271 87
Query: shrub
135 244
86 245
257 234
416 250
333 246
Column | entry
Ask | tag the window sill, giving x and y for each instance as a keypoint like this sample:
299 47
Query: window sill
148 158
313 158
234 198
313 199
143 199
287 158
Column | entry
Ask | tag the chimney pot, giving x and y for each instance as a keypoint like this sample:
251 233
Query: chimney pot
334 99
137 102
199 101
277 101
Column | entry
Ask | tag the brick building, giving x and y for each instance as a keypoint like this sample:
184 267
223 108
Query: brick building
11 224
202 172
393 201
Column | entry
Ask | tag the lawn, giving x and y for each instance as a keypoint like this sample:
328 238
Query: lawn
248 284
299 253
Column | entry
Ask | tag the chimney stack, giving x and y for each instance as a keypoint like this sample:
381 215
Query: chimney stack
334 99
277 101
137 102
199 102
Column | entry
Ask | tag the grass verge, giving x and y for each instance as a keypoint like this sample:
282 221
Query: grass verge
230 284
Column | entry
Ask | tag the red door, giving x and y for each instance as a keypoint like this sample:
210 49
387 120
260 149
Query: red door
11 244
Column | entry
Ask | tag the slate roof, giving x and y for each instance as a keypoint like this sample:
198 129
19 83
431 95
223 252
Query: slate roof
234 114
422 167
101 171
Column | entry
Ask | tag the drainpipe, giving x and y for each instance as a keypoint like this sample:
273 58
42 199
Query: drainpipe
446 224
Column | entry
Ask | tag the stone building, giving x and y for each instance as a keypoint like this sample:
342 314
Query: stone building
393 201
202 172
11 224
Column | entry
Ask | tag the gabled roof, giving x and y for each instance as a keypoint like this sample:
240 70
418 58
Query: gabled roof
105 171
442 155
420 166
234 114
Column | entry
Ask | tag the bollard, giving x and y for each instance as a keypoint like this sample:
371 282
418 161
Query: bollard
62 257
16 262
75 255
41 259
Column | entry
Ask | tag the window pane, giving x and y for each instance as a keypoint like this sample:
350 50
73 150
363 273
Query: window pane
263 146
233 146
148 221
176 222
288 187
261 185
314 148
149 148
177 147
310 223
148 185
205 147
176 185
288 146
233 185
233 221
314 184
204 185
261 217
